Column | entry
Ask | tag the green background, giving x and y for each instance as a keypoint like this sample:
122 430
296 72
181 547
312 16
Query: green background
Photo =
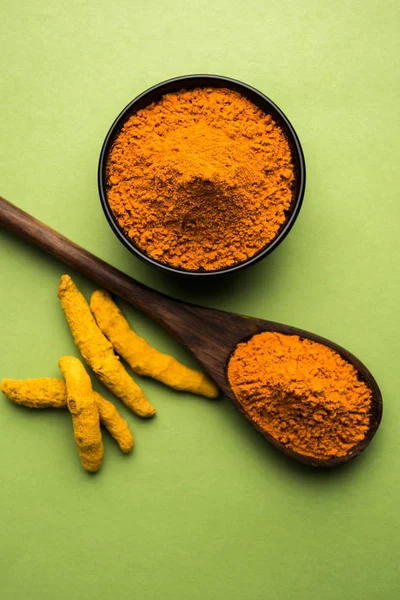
203 508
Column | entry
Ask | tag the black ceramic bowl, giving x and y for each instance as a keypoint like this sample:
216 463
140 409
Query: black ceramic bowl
154 94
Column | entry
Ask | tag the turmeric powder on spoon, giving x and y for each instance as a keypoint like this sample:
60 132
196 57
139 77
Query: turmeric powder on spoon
302 393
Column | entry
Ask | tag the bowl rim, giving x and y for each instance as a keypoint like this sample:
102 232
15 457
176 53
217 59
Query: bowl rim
124 115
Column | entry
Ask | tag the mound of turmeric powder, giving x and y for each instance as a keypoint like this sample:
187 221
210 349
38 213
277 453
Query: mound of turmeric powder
200 180
304 394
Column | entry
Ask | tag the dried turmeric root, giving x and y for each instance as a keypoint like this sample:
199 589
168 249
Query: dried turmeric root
141 356
36 393
97 350
116 425
84 413
52 393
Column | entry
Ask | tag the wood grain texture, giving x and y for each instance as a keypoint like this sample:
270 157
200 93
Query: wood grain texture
211 335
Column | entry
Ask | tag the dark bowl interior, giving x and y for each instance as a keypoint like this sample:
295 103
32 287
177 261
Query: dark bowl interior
154 94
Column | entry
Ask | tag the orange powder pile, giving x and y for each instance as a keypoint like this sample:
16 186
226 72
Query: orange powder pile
200 180
302 393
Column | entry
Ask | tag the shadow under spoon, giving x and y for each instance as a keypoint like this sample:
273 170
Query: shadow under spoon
211 335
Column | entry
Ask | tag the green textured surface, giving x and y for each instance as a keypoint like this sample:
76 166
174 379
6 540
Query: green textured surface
203 508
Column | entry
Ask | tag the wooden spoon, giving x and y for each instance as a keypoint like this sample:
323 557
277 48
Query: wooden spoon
211 335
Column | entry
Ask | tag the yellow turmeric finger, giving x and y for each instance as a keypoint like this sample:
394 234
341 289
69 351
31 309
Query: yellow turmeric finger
84 413
141 356
36 393
116 425
48 392
97 350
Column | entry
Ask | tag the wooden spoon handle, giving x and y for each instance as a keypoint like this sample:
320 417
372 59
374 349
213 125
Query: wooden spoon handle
164 309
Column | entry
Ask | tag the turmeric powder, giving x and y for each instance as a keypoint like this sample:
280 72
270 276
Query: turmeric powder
97 351
201 180
302 393
84 413
140 355
47 392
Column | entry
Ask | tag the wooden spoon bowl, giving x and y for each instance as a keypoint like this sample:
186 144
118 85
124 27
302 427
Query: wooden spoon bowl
211 335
